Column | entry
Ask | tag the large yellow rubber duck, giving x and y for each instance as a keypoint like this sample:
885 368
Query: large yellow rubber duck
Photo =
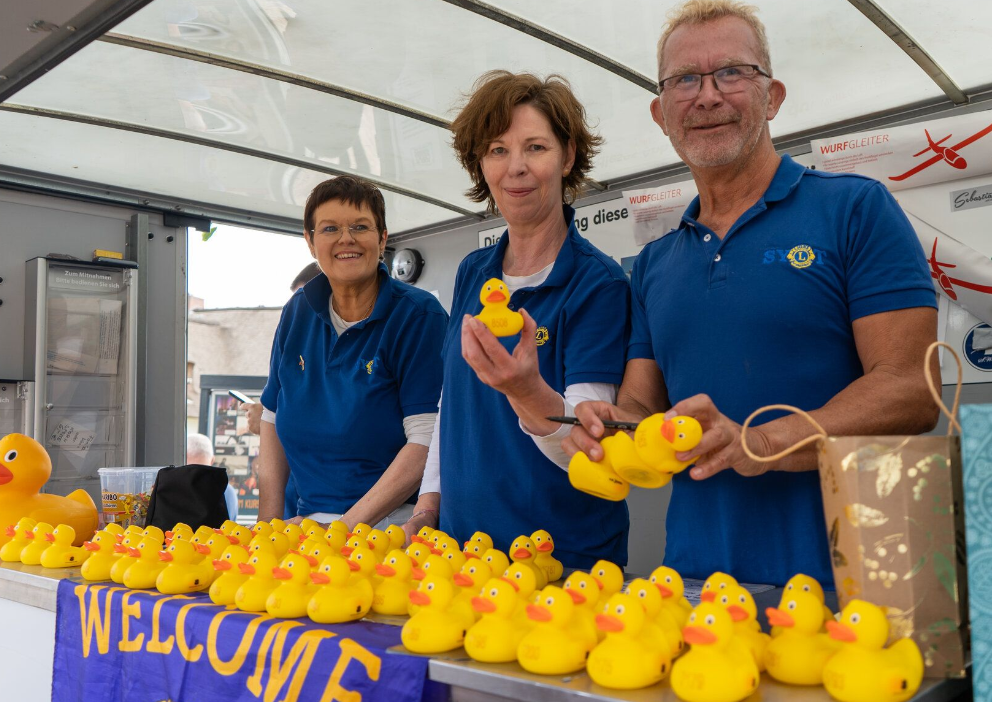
17 539
584 591
390 596
262 529
715 585
24 469
497 560
555 645
185 570
61 553
422 536
225 586
418 552
31 555
366 562
523 551
740 606
144 572
597 477
718 666
495 314
251 596
658 440
863 670
799 653
335 539
290 598
436 627
522 577
659 626
468 583
804 583
609 577
339 597
379 543
672 589
626 659
497 635
396 536
102 556
545 559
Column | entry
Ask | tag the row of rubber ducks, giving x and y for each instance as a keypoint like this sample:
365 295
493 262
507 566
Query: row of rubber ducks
647 460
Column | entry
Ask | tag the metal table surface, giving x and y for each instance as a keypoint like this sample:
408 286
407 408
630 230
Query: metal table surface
33 585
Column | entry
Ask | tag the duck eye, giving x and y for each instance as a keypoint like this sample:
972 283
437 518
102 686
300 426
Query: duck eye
582 584
681 421
792 604
518 575
855 618
621 609
710 620
668 579
642 593
392 561
681 435
692 617
430 586
789 586
549 601
806 588
601 572
10 455
724 599
493 592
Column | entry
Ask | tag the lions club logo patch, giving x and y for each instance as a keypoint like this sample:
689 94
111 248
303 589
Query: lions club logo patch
541 336
369 366
801 256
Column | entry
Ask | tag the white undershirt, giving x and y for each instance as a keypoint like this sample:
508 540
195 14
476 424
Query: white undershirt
549 445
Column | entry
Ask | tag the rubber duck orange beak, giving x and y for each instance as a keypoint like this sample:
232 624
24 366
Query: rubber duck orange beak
668 430
168 536
218 531
319 578
418 573
698 635
495 296
462 580
521 553
545 547
437 551
538 613
133 552
10 531
608 623
385 570
481 604
50 537
281 574
841 632
311 560
738 614
5 475
577 597
419 598
350 535
665 592
469 554
347 550
371 545
233 539
29 535
418 539
221 564
90 546
515 586
353 566
708 596
164 556
119 537
120 548
598 582
202 548
777 617
246 568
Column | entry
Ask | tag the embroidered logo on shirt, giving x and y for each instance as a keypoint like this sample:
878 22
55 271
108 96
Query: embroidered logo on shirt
541 336
368 366
801 256
302 364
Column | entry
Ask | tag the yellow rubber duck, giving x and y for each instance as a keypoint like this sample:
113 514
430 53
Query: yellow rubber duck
280 543
18 538
718 666
225 586
495 314
294 532
497 635
620 453
366 561
185 570
307 524
799 653
251 596
482 538
456 558
715 585
740 606
179 531
436 627
473 549
545 559
262 529
597 478
418 552
61 553
523 551
863 670
336 539
144 572
397 537
804 583
31 554
435 565
657 440
24 469
379 543
659 626
627 659
277 524
524 578
584 591
338 525
609 577
353 542
422 536
124 558
468 583
102 556
555 645
290 598
672 589
339 597
497 560
361 529
390 596
242 535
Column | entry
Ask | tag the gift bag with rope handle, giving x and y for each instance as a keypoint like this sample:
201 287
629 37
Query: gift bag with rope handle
894 507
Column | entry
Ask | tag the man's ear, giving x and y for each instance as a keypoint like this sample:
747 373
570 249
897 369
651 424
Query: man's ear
776 96
658 115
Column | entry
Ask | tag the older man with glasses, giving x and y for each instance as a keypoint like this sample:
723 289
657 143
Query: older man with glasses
781 285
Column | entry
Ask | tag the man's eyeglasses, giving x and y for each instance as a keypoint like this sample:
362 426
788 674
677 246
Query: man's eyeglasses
729 79
355 230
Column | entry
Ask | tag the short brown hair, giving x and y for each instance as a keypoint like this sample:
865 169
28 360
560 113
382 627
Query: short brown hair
488 113
353 190
699 11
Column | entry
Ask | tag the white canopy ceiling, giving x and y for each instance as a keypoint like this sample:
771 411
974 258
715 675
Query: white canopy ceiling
235 108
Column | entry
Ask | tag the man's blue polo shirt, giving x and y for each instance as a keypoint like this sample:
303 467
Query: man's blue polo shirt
493 477
340 400
763 317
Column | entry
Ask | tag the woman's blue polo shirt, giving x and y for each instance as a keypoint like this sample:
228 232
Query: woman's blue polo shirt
340 400
763 317
493 477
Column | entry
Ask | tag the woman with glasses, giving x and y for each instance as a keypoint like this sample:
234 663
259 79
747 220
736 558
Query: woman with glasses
355 374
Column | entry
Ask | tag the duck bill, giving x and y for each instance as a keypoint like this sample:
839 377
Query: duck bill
577 597
418 539
165 556
462 580
708 596
545 547
311 560
385 570
841 632
281 574
353 566
668 430
419 598
346 551
777 617
133 552
469 554
221 564
246 568
495 296
698 635
203 548
481 604
418 573
50 537
738 614
233 539
521 554
508 580
665 591
319 578
90 546
608 623
538 613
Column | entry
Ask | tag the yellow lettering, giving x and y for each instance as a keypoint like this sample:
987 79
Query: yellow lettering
350 650
129 610
275 632
213 655
303 651
89 617
190 654
155 643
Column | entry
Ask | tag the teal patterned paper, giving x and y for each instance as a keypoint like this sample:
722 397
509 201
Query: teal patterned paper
976 425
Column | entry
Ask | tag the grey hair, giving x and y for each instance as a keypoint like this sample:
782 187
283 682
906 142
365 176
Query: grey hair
199 447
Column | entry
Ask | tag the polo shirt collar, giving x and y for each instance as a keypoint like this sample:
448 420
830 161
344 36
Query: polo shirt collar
564 266
318 292
785 180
